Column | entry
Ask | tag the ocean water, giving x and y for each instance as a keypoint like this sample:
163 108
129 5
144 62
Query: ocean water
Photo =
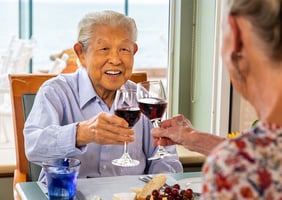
55 27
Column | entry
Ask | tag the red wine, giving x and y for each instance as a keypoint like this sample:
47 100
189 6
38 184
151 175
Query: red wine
153 108
131 115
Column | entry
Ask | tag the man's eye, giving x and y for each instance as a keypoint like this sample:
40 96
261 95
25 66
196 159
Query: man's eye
104 49
125 49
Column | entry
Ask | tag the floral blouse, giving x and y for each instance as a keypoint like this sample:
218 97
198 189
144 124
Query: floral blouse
246 167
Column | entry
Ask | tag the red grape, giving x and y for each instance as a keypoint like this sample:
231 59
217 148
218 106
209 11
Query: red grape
177 186
189 192
155 193
172 193
167 190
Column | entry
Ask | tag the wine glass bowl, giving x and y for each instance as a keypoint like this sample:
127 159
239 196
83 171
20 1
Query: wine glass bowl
126 106
153 108
152 103
130 114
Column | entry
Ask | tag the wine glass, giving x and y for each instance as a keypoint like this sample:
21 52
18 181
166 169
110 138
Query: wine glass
126 106
152 103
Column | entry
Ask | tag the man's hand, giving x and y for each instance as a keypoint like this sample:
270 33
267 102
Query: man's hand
104 128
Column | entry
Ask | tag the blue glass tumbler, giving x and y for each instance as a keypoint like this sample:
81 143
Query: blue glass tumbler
61 177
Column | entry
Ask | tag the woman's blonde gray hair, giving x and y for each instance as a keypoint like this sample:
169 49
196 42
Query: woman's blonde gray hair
266 18
91 20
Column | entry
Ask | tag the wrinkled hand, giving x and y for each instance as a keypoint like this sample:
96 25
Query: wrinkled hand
104 128
172 131
178 120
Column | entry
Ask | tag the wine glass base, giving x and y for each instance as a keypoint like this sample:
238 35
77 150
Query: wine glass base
125 161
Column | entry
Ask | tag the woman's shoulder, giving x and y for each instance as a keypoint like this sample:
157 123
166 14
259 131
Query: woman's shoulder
250 145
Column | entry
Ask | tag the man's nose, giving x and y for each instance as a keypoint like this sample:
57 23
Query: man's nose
114 57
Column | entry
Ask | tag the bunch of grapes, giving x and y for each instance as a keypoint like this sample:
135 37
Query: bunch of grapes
172 193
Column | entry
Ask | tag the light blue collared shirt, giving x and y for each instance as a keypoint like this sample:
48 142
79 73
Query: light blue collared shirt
50 130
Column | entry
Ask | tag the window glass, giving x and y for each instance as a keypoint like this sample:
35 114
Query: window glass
152 22
9 29
9 21
55 25
55 28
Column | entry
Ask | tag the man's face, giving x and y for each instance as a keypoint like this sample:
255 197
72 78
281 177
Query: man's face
109 57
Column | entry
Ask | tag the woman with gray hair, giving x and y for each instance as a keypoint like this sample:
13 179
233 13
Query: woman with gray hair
248 166
73 114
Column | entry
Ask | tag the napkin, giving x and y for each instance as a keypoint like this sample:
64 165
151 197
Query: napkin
124 196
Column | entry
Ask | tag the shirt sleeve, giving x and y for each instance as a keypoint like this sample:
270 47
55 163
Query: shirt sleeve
46 135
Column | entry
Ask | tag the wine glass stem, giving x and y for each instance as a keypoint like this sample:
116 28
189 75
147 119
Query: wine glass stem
156 124
125 149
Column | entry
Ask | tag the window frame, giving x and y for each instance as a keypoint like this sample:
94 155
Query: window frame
184 58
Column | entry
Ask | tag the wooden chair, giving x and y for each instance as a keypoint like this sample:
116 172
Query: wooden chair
22 86
139 77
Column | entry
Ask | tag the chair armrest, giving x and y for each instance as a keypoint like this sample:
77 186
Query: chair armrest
18 178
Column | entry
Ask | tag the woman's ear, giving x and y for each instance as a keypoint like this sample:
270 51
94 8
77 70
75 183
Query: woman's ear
236 33
78 48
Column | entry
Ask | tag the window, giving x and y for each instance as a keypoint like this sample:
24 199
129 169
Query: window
9 28
9 21
53 24
55 28
199 85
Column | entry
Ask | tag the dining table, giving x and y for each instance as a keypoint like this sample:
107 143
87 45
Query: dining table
104 188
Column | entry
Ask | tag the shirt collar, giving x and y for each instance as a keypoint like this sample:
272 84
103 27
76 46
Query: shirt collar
85 88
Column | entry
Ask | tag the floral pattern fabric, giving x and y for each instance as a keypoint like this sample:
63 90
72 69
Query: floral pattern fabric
246 167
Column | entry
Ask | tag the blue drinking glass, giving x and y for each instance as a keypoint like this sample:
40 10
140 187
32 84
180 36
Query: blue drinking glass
61 177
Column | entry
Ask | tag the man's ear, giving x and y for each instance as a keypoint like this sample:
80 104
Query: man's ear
236 33
78 49
79 52
135 48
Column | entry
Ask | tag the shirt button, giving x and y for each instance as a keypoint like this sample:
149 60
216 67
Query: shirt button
104 167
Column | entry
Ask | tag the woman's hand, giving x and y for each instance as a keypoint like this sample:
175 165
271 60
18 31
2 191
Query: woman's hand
171 131
178 130
104 128
178 120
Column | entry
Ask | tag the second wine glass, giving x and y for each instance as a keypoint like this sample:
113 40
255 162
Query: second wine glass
152 103
126 106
